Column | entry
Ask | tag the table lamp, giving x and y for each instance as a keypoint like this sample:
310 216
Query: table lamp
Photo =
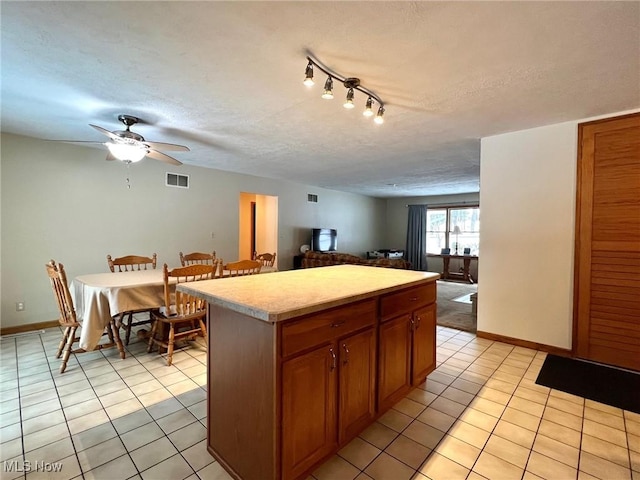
456 231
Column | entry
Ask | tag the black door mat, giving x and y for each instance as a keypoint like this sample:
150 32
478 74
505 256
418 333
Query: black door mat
608 385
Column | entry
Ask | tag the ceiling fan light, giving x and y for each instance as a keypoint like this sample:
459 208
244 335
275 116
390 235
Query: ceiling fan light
348 103
328 89
308 75
379 117
368 112
127 153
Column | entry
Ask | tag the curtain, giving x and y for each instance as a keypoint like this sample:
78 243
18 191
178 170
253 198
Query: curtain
415 251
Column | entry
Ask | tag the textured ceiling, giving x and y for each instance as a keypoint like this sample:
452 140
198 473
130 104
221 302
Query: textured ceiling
225 78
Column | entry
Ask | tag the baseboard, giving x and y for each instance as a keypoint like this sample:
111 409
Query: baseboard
563 352
28 327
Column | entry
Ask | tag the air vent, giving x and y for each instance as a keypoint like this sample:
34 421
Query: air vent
312 198
177 180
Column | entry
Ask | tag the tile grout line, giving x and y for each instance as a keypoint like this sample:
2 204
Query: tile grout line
154 420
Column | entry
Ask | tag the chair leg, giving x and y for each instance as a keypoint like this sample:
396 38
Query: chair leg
63 341
127 328
152 335
203 328
116 337
170 344
71 335
109 331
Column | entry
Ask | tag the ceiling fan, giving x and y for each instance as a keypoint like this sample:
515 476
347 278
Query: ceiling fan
130 147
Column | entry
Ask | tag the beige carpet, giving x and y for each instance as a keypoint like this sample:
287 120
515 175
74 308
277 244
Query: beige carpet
455 314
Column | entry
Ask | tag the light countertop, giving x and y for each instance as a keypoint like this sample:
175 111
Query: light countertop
282 295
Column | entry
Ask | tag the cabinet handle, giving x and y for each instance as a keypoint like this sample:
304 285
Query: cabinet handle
413 299
346 352
413 324
338 324
333 359
418 319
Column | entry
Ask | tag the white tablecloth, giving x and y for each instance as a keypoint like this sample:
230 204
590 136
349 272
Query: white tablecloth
98 297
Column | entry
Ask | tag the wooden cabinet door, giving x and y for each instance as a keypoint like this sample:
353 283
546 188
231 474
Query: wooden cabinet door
607 267
394 361
356 407
309 423
424 346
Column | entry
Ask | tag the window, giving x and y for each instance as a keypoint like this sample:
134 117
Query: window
442 231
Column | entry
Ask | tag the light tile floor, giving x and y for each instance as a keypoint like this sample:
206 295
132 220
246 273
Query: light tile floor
480 415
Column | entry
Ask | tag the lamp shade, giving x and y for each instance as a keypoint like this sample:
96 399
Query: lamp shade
456 230
126 152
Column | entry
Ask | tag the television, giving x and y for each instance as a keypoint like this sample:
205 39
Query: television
324 239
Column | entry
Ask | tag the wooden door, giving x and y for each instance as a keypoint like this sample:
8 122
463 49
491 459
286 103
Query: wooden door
394 361
423 348
607 271
356 407
309 423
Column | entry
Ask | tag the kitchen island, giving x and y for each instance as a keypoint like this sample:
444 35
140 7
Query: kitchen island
301 361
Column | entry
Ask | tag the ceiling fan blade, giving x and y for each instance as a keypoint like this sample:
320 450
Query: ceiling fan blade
106 132
110 157
167 146
77 141
163 157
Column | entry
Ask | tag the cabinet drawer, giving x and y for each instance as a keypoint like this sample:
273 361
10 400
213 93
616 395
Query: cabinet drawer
318 328
406 300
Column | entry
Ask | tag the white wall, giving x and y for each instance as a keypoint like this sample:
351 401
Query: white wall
527 198
66 202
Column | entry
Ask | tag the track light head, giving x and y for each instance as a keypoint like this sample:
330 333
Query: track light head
308 75
348 103
379 117
368 112
328 89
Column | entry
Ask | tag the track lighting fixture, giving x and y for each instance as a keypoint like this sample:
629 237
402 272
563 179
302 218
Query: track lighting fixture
351 84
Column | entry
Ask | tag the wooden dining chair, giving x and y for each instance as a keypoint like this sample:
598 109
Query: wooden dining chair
68 319
243 267
183 313
197 258
132 263
266 259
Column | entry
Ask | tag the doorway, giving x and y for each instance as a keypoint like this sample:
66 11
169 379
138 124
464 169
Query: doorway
258 225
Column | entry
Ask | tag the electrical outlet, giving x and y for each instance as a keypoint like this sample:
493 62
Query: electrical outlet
19 306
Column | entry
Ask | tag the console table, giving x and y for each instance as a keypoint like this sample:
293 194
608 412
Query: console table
465 275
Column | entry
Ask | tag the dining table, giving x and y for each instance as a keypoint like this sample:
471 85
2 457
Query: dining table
98 297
